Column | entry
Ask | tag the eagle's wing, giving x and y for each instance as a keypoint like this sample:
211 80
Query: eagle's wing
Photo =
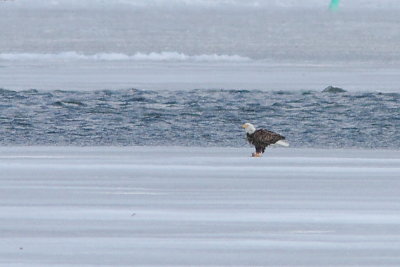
265 138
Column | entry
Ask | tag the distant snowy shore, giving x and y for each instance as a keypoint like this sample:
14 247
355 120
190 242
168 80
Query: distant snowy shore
173 206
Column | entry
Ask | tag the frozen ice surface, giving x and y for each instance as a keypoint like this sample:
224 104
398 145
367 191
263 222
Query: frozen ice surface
154 206
81 75
181 44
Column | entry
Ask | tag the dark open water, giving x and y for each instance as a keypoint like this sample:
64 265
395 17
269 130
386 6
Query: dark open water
198 117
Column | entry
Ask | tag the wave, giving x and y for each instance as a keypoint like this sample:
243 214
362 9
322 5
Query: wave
153 56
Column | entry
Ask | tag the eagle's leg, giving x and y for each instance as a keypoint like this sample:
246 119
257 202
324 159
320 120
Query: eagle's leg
258 153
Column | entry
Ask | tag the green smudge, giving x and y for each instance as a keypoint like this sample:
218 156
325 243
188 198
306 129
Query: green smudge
334 5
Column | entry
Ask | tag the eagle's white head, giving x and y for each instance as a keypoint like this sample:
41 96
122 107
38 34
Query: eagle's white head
249 128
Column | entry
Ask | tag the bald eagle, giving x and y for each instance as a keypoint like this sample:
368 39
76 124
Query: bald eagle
262 138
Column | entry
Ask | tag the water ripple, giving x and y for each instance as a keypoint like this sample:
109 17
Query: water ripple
197 117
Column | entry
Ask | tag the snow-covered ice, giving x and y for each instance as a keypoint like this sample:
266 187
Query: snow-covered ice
206 44
81 75
152 206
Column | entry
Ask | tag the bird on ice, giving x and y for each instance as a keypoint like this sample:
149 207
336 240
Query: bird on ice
262 138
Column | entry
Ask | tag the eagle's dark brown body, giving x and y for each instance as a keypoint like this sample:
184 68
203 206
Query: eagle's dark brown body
262 138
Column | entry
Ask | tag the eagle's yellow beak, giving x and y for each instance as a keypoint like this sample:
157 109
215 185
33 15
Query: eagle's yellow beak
244 126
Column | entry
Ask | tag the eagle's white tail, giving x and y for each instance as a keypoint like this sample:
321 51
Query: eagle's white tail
282 143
